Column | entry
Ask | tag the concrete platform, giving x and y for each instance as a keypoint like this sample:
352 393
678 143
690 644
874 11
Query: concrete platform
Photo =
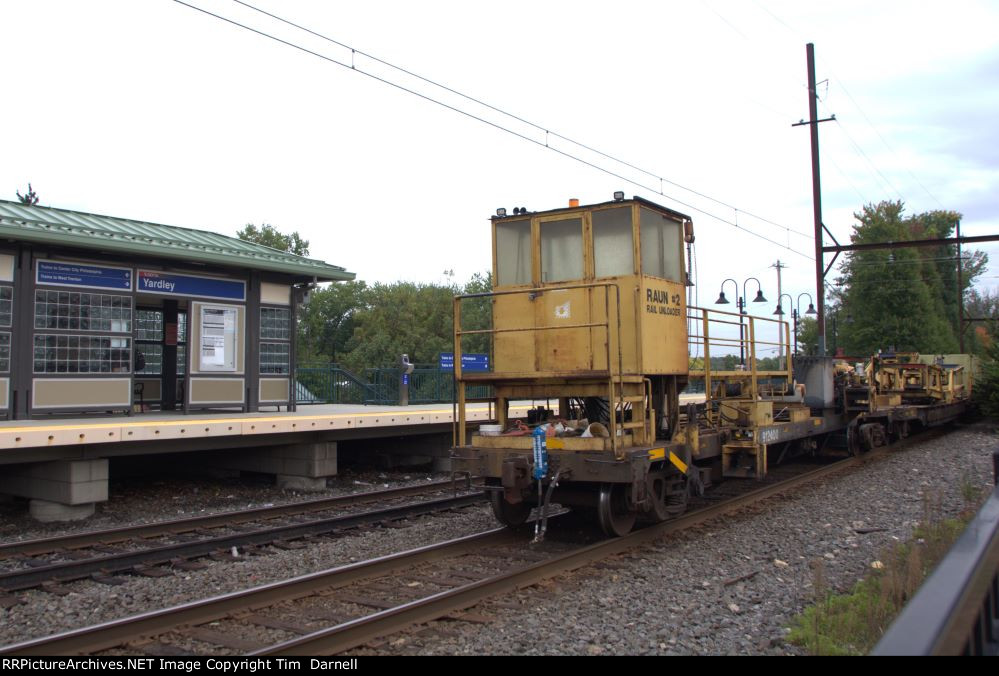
159 432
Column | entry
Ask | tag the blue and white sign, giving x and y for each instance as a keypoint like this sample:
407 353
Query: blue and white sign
469 362
173 284
57 273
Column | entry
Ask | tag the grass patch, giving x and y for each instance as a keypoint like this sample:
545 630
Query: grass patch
852 623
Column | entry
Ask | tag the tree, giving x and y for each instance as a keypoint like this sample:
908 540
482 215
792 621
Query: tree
983 307
902 298
268 235
985 392
477 314
326 323
29 198
385 321
401 318
808 335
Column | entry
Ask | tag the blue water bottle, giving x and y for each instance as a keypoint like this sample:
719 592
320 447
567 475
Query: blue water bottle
540 453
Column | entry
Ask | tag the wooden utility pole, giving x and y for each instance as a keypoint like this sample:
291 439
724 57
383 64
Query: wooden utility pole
813 122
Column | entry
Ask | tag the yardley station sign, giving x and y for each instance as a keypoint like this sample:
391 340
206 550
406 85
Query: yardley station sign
170 283
84 275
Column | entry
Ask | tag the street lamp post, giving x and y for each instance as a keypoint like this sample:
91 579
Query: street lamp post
741 303
796 313
780 314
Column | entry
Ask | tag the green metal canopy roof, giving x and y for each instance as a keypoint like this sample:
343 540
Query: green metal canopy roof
47 225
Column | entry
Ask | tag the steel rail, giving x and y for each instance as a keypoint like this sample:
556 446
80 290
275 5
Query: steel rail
159 528
356 632
362 630
88 640
126 561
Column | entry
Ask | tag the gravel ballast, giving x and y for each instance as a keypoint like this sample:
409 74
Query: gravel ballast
733 585
729 587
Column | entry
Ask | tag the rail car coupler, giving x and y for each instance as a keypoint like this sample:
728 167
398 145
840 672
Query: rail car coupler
515 478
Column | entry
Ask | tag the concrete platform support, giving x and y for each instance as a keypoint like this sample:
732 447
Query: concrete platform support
413 451
64 490
302 467
48 512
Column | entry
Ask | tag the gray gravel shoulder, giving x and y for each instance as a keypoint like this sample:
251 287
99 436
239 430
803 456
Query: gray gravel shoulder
730 587
733 585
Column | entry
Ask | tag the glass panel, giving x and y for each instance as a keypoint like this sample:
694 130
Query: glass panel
181 360
662 246
152 357
181 327
74 311
612 242
149 325
4 352
82 354
6 305
513 253
275 323
562 250
274 358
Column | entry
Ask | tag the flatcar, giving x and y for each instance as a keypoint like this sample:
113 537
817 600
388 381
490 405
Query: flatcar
589 313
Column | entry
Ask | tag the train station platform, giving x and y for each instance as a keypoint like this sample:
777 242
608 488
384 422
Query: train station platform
61 464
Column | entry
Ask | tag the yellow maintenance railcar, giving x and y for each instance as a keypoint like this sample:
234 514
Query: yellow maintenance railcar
588 319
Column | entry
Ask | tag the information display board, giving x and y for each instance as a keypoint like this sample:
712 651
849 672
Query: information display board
59 273
469 362
217 348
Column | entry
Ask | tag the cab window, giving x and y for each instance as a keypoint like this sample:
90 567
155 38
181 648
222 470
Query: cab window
513 253
562 250
612 242
661 246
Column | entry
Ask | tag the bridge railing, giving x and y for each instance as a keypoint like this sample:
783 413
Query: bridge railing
956 611
332 384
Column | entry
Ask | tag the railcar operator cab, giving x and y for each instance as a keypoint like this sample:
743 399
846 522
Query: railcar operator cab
588 309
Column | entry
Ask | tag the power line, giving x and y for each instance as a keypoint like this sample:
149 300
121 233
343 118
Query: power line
869 161
848 179
564 153
539 127
545 129
860 110
885 142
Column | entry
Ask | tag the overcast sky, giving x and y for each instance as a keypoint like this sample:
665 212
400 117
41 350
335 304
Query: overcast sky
150 110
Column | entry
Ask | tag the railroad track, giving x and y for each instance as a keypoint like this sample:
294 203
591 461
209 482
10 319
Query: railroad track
335 610
155 549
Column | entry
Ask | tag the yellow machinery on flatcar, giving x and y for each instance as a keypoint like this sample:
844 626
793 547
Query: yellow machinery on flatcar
588 303
589 310
589 307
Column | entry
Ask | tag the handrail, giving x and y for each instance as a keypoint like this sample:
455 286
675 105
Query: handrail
459 420
956 611
704 318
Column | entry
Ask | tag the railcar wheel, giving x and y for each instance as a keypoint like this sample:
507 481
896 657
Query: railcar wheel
508 514
615 516
656 485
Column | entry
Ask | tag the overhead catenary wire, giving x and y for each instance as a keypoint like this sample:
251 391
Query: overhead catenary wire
856 105
866 157
353 67
544 128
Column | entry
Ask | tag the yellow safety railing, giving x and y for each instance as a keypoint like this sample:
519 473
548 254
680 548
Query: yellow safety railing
611 327
711 332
